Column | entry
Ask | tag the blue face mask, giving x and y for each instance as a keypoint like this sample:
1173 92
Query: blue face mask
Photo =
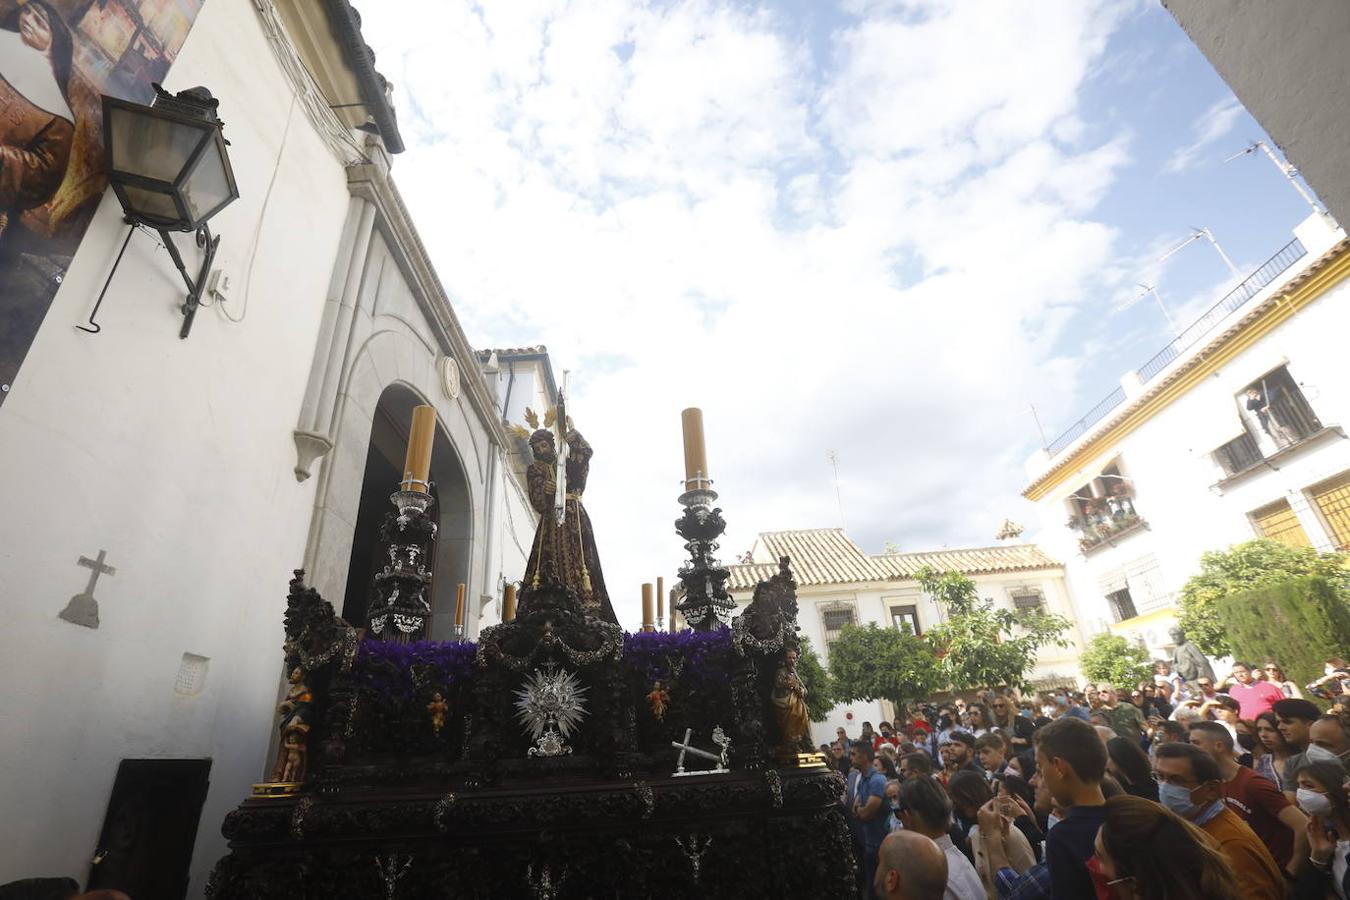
1178 800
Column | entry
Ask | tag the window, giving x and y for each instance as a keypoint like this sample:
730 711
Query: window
906 618
834 619
1333 502
1278 522
1276 413
1028 599
1103 508
1239 454
1122 605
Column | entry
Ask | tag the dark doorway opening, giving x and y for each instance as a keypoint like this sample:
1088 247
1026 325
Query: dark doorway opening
150 828
384 467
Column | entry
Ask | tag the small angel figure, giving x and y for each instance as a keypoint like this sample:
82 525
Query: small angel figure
658 700
438 708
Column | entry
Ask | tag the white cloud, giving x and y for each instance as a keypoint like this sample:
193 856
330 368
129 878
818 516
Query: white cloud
874 257
1213 125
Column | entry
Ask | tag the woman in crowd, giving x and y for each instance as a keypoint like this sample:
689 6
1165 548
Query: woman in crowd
1321 794
1274 673
1128 764
969 792
1016 798
1271 762
886 766
1150 853
977 720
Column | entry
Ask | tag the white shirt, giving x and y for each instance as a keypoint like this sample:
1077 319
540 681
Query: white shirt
963 882
1338 866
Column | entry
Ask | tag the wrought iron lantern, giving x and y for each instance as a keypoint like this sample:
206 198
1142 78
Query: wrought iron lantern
169 167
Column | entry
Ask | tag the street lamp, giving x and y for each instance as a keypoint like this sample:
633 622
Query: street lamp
168 165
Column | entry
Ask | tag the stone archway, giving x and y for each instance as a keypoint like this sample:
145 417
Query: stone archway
393 371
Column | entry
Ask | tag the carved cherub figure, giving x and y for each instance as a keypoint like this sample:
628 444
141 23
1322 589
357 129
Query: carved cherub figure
438 708
658 700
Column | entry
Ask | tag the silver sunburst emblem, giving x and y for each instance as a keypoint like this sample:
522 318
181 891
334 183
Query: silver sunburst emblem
550 706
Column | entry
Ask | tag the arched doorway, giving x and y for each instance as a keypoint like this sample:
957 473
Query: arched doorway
384 468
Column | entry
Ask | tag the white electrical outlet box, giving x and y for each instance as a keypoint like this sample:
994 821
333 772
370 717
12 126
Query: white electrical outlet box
220 285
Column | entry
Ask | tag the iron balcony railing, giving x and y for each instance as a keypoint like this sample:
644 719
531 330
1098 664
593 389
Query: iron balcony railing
1291 253
1095 415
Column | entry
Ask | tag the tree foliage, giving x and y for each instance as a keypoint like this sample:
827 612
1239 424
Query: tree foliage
819 687
1299 622
1111 658
980 645
1243 567
871 663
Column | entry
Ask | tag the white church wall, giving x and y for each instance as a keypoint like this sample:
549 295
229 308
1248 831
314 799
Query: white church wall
174 456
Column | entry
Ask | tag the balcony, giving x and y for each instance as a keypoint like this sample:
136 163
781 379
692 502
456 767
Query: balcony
1106 526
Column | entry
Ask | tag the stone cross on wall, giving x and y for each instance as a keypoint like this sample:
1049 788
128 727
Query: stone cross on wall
83 608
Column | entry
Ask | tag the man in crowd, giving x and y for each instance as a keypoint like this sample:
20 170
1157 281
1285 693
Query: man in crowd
1006 717
1190 784
1207 689
911 867
990 751
887 736
1071 760
1329 736
1253 697
868 808
1279 824
958 754
1124 718
841 736
1295 718
915 765
926 809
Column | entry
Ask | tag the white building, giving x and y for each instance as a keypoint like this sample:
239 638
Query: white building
838 584
1177 461
178 482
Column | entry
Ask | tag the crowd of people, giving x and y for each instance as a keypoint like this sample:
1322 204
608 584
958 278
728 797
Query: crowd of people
1170 790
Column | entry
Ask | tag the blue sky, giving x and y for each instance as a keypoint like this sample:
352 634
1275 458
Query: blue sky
880 228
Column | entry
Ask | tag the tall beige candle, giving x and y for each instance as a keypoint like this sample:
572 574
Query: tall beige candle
459 604
695 453
647 607
509 604
660 599
417 464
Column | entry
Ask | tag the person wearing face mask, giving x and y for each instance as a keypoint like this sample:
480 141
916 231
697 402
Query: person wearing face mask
1190 784
1256 800
1321 794
1295 719
1328 738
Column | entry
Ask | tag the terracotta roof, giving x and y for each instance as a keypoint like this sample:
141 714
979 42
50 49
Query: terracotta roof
827 556
536 350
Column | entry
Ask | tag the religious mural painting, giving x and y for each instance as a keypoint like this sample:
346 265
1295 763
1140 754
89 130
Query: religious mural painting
57 57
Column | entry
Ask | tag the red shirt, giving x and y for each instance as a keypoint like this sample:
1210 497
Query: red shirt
1255 698
1258 802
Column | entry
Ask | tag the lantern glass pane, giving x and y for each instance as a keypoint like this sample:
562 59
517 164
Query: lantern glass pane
208 187
147 145
153 205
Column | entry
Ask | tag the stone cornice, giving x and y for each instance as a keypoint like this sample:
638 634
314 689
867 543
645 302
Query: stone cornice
372 182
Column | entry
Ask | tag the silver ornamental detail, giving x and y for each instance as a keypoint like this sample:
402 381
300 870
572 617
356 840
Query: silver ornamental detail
550 707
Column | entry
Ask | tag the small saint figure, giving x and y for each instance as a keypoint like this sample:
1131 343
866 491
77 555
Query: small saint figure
564 553
658 700
438 708
789 705
294 728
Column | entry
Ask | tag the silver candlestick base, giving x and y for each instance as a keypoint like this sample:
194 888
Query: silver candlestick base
457 631
410 500
699 496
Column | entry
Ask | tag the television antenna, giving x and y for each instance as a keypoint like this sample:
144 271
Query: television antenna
833 457
1286 168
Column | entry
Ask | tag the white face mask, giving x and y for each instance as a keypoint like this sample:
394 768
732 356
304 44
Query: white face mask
1314 803
1315 753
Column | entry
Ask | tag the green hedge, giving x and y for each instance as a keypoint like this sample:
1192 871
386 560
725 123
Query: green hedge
1299 623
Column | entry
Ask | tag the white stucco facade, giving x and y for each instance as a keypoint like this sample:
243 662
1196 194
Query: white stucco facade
209 468
1165 440
1287 64
889 601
